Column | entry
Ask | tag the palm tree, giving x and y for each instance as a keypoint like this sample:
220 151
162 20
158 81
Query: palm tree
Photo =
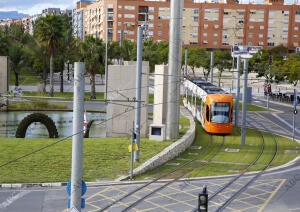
92 52
49 32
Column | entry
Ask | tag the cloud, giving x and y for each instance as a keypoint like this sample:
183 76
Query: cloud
32 7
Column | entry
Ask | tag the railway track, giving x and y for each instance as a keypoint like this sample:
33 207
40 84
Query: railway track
119 203
221 198
224 195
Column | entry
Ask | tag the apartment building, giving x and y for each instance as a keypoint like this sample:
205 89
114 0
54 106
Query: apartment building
208 25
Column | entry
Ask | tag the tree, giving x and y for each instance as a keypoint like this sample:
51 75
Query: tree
291 69
128 50
3 43
222 61
163 52
93 54
17 38
198 57
150 53
49 32
65 50
268 63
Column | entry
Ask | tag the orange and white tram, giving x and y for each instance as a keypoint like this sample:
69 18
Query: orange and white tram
210 105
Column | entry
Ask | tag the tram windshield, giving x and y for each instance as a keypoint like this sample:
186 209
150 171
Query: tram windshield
220 112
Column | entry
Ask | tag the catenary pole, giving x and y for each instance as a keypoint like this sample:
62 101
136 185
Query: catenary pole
138 92
237 96
106 72
77 139
211 67
185 61
243 129
172 122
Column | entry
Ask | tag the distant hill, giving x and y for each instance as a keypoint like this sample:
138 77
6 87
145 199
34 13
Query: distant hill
11 15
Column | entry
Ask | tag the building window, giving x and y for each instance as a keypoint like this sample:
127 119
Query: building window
250 35
296 28
129 16
204 34
151 9
196 11
215 35
251 27
261 27
196 18
260 35
151 17
215 43
271 44
126 7
194 35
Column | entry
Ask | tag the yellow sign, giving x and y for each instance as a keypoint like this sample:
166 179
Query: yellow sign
135 147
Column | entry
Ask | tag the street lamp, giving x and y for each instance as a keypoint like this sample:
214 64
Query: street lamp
68 68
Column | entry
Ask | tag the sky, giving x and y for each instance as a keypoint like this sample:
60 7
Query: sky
32 7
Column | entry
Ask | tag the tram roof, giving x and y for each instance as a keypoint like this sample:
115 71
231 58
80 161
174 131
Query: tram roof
208 87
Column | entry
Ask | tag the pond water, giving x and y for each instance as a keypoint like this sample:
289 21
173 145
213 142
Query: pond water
63 120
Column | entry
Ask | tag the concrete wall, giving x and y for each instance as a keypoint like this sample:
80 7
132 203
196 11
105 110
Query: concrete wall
160 94
170 152
121 90
4 79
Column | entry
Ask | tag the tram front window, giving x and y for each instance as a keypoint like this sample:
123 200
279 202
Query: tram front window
220 112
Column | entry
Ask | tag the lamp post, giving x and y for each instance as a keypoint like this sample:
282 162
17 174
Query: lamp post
106 74
68 68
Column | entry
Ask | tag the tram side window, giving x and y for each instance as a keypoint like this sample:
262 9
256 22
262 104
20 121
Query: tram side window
207 113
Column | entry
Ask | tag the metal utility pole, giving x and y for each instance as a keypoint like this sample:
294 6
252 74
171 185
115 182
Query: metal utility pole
269 81
212 67
77 140
237 97
172 122
132 152
295 111
106 72
185 61
138 91
243 129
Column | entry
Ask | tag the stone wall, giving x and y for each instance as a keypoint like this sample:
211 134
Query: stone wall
169 152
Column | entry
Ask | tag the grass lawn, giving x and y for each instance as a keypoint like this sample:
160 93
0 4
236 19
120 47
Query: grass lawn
26 77
228 162
49 160
103 159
